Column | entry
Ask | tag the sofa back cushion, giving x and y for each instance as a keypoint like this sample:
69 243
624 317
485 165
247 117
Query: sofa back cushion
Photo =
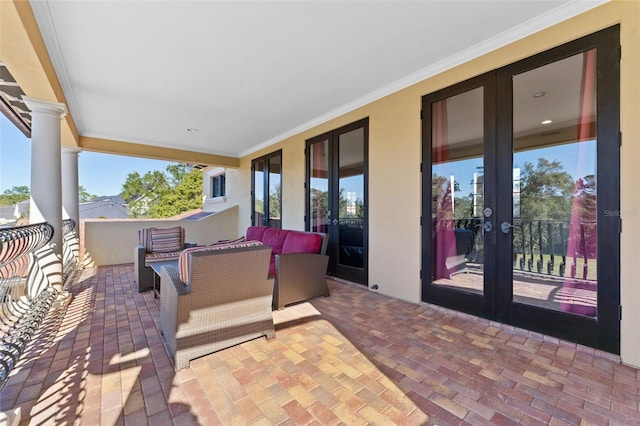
255 233
302 242
185 257
274 238
167 240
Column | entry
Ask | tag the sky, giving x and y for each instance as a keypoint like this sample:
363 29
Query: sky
99 174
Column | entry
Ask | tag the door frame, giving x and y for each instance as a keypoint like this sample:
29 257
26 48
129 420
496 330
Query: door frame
481 305
603 331
357 275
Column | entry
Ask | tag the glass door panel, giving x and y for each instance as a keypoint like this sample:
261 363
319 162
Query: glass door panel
318 213
267 190
554 187
275 189
258 194
351 199
457 191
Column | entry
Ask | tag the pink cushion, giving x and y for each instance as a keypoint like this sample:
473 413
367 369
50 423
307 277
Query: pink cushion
302 242
255 232
185 257
272 266
274 238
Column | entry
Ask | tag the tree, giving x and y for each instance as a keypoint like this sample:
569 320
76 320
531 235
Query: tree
84 196
141 192
274 202
185 195
546 191
14 195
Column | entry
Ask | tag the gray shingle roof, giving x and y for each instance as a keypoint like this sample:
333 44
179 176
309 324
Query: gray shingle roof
104 207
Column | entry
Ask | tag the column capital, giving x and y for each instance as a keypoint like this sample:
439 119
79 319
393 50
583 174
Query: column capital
45 107
71 151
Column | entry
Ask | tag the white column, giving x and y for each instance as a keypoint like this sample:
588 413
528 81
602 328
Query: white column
70 202
46 178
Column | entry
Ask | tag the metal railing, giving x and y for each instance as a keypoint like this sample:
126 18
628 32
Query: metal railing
539 246
21 311
70 248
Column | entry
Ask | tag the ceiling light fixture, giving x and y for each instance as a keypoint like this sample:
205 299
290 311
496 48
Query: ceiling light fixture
545 122
192 130
539 94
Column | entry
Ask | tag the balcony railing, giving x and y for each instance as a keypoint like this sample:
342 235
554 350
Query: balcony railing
539 246
22 309
70 248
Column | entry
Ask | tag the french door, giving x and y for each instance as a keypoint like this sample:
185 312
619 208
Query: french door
336 197
266 190
521 190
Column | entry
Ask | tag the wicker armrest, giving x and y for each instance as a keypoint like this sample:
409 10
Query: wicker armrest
299 276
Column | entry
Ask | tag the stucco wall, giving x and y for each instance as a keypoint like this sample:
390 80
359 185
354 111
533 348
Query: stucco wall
112 242
394 164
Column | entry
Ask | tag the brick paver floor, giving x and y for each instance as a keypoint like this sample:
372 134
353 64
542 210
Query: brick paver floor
356 357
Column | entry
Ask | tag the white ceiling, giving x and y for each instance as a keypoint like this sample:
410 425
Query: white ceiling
246 74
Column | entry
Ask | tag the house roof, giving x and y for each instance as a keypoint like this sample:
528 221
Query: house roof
193 75
104 207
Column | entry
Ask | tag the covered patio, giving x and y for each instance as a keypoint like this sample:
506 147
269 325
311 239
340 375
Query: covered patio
356 357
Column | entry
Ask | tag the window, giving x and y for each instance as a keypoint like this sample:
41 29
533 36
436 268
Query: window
218 186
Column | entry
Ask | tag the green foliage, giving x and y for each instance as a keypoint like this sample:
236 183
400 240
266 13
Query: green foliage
14 195
275 209
320 201
185 194
84 196
163 194
21 193
546 191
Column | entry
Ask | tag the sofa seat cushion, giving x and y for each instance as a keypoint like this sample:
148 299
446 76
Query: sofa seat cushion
185 257
302 242
161 257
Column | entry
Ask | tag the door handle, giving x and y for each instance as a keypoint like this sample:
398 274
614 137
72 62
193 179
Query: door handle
487 226
504 227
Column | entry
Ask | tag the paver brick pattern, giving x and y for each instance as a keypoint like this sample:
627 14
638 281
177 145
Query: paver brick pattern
354 358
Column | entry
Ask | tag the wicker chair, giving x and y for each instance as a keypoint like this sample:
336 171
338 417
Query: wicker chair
225 300
155 245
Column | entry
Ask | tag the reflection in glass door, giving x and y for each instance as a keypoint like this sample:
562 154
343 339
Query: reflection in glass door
457 191
555 204
336 197
266 190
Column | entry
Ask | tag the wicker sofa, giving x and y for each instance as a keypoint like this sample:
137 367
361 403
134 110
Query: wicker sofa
298 263
219 296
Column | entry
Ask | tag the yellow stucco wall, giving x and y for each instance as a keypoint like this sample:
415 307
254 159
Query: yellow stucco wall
112 242
394 164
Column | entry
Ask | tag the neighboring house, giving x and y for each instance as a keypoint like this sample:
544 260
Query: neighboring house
7 217
109 207
22 209
10 215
